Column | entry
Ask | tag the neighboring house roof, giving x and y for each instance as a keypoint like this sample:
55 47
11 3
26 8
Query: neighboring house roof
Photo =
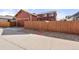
50 12
75 15
26 12
6 17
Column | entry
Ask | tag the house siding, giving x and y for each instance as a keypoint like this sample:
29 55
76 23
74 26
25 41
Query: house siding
47 16
24 16
34 18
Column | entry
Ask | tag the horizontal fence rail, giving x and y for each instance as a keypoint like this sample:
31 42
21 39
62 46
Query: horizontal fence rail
54 26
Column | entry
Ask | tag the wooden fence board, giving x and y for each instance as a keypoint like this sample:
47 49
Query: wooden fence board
55 26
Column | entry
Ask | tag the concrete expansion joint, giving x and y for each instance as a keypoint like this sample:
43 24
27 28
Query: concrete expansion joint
14 44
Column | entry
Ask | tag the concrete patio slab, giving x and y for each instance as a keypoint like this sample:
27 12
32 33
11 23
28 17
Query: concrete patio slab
5 45
30 41
18 38
61 44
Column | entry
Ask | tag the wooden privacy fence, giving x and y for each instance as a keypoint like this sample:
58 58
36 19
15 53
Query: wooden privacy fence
55 26
4 24
12 24
7 24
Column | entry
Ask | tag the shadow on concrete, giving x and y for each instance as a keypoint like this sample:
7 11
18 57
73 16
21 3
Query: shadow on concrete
21 31
13 31
65 36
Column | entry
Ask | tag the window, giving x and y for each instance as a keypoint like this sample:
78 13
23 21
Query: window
51 14
45 15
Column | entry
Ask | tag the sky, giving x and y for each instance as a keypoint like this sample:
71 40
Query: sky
61 13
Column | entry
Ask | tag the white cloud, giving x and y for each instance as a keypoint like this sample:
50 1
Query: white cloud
8 12
5 13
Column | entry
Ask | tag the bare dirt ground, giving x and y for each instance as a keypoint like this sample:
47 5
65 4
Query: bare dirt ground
20 39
